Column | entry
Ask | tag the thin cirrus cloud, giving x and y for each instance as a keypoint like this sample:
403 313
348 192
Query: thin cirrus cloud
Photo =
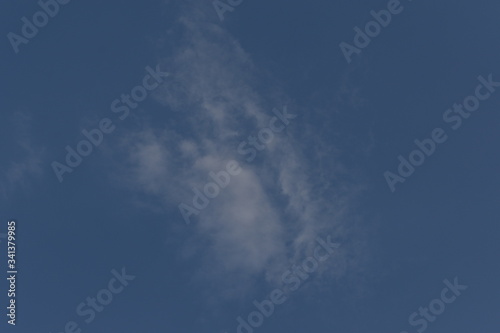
270 214
26 163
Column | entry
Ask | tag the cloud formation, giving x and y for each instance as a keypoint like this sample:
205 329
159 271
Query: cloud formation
27 160
274 209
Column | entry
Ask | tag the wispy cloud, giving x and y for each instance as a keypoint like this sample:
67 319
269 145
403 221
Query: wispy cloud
272 212
25 162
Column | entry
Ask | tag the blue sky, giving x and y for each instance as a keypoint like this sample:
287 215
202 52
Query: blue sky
321 176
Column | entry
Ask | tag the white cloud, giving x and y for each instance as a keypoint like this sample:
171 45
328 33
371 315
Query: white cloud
27 162
271 213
